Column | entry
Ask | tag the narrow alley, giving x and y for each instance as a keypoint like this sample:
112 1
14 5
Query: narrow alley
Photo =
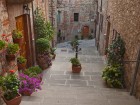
62 87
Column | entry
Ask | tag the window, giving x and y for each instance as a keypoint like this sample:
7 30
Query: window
59 16
76 17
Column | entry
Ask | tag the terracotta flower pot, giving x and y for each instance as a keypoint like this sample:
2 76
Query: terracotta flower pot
15 101
26 93
10 57
18 41
21 66
76 68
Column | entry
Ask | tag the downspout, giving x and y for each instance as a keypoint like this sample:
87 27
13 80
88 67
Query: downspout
135 74
33 40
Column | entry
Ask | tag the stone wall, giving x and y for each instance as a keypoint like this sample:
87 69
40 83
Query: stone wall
124 16
4 20
69 28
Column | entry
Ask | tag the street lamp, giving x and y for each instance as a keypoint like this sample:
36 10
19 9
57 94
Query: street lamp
26 9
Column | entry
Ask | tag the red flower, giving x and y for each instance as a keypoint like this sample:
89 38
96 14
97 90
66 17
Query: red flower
12 71
3 35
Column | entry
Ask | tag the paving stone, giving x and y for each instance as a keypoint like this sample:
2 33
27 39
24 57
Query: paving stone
70 73
60 77
77 82
62 87
30 103
124 102
52 81
92 73
79 77
57 72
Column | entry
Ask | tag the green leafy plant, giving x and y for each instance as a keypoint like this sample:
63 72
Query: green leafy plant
53 50
116 51
76 37
21 60
10 86
74 43
75 61
43 45
33 71
12 48
43 28
2 44
82 37
113 76
16 34
113 73
90 37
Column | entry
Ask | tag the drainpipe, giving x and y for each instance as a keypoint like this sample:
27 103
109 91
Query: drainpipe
33 41
135 74
52 20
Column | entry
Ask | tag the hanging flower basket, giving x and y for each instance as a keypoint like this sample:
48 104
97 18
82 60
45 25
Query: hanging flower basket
18 1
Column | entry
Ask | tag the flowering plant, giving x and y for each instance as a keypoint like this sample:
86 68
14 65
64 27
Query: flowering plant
10 85
5 38
28 84
16 34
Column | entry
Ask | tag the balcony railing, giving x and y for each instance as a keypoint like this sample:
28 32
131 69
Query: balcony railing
18 1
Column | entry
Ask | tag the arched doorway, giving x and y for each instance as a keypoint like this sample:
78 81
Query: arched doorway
85 31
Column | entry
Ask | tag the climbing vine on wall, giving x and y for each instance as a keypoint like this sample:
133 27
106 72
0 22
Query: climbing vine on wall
116 51
113 72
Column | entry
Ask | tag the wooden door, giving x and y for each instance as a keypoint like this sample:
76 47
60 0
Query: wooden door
23 24
85 31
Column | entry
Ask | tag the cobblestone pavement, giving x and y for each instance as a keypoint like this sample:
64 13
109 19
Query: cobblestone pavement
61 87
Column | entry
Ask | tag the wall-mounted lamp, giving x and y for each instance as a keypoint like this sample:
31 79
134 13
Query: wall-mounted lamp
108 18
26 9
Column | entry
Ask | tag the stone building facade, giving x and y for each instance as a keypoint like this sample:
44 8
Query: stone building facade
122 17
75 18
20 16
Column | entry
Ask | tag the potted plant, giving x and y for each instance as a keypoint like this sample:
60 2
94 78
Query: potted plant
21 62
76 65
2 44
17 36
113 76
74 43
28 84
12 49
10 86
53 53
43 58
35 71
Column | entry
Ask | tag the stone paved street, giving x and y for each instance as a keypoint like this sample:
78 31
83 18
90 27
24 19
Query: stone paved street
61 87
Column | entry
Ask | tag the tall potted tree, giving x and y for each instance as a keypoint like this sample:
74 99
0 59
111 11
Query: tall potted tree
43 47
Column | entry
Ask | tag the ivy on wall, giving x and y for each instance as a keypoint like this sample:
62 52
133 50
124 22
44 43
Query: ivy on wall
113 72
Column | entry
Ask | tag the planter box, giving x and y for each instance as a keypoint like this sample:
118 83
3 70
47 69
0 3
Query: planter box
76 68
18 1
15 101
